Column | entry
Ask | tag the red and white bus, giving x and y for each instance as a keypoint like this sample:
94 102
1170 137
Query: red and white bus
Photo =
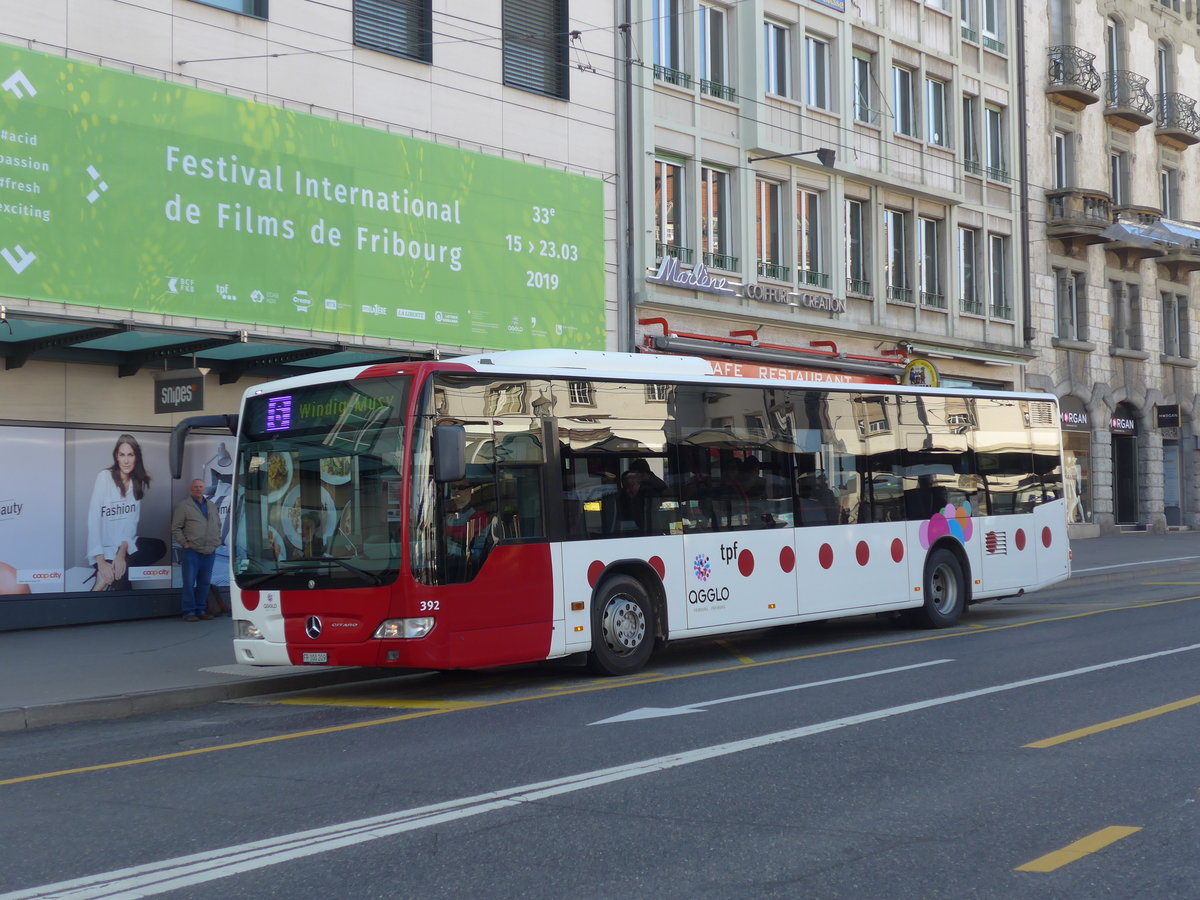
528 505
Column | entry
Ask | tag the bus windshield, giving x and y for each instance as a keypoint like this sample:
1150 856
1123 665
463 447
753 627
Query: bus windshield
318 486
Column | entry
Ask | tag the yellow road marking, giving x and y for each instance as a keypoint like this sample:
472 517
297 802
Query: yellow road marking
1079 849
735 653
1115 723
447 705
607 685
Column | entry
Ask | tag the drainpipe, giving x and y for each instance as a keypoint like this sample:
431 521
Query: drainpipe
1023 131
626 341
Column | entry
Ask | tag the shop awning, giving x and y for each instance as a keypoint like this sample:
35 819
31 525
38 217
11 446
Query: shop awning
130 347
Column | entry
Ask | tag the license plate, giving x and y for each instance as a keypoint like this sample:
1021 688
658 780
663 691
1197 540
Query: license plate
315 659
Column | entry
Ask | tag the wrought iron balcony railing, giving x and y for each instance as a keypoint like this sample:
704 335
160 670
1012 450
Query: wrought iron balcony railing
1127 91
1073 67
767 269
683 254
812 278
1178 112
720 261
933 300
858 286
900 294
672 76
716 89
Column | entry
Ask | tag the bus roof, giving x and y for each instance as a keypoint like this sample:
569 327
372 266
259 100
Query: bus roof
602 364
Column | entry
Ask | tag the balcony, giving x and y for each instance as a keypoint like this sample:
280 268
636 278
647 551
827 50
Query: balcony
858 286
718 90
720 261
1183 249
1135 235
1078 217
683 254
672 76
1127 103
812 278
768 269
1178 124
1073 79
933 300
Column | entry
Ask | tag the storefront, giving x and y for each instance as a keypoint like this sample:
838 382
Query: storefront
1124 432
1077 459
1166 420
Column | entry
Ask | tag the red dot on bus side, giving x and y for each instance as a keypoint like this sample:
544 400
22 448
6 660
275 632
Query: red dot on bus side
787 559
746 563
825 556
897 550
594 571
658 566
1047 537
862 553
250 600
1020 538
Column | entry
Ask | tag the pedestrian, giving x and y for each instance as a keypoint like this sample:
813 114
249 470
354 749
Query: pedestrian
196 527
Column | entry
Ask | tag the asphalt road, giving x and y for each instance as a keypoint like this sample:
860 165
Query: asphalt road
1045 748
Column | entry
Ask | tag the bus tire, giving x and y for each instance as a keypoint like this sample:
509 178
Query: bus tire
945 590
622 627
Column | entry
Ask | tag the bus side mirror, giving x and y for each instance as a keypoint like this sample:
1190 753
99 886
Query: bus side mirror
449 453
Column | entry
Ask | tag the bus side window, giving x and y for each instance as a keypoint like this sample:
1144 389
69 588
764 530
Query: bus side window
521 502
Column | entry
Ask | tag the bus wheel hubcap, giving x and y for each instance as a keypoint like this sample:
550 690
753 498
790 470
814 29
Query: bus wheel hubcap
624 625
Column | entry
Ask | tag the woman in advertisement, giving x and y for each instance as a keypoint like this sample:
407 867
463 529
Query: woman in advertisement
113 545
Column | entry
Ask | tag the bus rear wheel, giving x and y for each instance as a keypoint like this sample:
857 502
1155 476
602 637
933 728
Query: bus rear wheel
945 590
622 627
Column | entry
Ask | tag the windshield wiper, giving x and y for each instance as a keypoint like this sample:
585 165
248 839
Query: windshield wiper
369 577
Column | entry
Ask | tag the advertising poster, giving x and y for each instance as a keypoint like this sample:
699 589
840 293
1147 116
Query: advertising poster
118 507
31 511
151 196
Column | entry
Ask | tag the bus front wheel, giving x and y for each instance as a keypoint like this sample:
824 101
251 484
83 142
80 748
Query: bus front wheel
622 627
945 591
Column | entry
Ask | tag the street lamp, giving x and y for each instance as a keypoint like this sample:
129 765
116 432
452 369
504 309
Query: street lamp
824 155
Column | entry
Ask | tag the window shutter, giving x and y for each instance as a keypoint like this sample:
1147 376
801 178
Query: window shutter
399 27
535 46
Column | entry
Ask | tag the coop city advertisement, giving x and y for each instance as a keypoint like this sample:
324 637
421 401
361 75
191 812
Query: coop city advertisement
125 192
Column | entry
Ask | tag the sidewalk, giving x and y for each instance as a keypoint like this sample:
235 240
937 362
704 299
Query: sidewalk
83 672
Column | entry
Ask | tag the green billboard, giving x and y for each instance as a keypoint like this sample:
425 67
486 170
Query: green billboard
130 193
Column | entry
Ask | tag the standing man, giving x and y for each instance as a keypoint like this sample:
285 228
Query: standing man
196 527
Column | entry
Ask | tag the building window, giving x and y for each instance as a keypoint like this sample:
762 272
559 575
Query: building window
714 53
668 57
396 27
1175 325
668 211
714 219
929 256
256 8
1070 299
968 261
810 229
1063 164
581 393
534 37
902 101
777 63
936 131
972 157
768 229
816 72
863 72
993 25
505 399
1126 315
995 143
1168 188
970 20
858 277
998 262
1118 177
895 227
1164 67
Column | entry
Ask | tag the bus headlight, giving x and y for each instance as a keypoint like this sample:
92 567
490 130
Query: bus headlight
405 628
245 630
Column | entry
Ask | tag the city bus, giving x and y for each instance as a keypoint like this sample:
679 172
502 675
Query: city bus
521 506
